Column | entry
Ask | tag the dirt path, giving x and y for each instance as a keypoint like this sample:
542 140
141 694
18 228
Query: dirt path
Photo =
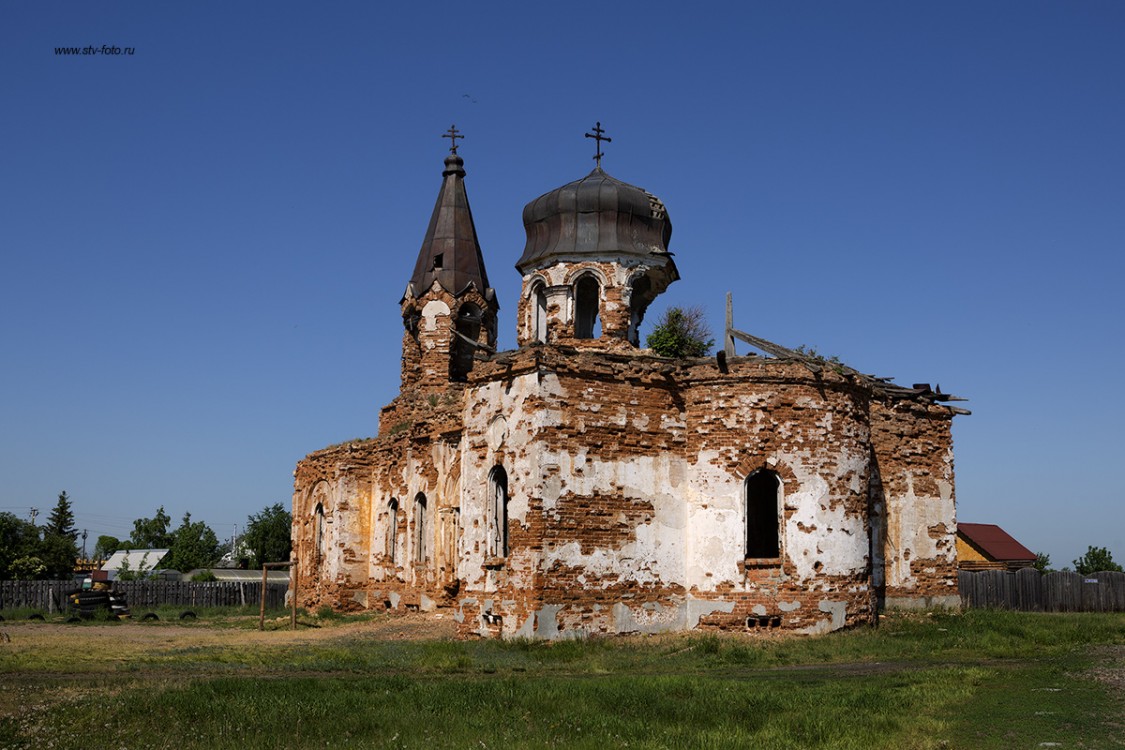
133 637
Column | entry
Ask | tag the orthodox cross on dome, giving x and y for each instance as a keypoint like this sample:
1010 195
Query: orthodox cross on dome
597 136
452 135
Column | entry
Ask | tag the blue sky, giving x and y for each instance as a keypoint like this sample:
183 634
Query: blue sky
204 242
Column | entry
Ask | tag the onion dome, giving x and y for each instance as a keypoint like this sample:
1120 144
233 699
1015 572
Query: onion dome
597 215
450 253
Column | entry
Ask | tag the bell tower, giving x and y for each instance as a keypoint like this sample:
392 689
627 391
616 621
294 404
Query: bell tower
448 309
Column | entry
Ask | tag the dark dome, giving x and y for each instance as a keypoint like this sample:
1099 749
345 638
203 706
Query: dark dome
597 215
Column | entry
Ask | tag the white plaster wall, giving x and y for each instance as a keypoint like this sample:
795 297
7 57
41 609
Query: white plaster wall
656 554
521 462
715 544
696 537
817 528
908 522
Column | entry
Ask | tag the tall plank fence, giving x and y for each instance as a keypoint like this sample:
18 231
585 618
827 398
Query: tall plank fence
50 596
1028 590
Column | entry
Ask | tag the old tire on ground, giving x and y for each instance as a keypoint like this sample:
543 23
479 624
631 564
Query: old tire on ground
150 617
37 616
187 615
74 618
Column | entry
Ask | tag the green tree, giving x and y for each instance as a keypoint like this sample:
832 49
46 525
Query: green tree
1042 562
269 535
151 533
61 520
194 545
106 546
59 547
58 554
18 539
681 332
28 567
1096 560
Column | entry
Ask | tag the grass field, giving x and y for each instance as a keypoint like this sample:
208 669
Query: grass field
977 680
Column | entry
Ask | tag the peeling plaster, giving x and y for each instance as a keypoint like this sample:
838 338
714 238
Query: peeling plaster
626 499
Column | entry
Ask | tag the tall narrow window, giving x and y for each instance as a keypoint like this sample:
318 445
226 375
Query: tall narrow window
498 513
586 300
763 507
318 521
392 530
539 313
421 529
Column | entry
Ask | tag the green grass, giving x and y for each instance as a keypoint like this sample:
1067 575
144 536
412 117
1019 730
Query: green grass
980 680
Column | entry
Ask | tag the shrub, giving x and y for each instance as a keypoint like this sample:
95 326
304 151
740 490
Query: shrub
681 332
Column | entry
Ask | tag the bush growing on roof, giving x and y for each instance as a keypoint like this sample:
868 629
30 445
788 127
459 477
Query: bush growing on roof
681 332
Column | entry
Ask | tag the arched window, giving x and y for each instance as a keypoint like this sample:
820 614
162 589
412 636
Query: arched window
392 531
587 295
468 325
498 512
421 529
539 314
763 508
318 531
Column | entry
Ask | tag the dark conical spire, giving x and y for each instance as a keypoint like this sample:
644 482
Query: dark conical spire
450 252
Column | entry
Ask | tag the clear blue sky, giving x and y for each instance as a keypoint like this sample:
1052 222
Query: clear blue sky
204 242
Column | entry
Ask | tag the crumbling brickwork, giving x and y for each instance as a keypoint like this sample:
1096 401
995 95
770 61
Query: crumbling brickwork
626 498
913 504
624 291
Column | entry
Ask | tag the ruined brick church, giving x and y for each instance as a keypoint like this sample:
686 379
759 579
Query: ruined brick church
581 485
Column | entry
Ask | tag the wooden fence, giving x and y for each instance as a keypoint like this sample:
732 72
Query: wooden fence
50 596
1028 590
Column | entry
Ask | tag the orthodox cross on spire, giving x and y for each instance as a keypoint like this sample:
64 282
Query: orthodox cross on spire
452 135
597 136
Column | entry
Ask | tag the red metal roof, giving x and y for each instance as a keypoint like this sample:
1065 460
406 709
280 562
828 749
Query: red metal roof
994 541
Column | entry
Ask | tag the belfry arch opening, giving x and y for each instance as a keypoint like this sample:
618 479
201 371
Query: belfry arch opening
539 313
468 325
587 298
640 296
763 510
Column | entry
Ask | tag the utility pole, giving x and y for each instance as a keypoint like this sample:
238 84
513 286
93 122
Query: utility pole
34 513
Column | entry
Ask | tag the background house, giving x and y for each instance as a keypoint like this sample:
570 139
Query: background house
986 546
137 561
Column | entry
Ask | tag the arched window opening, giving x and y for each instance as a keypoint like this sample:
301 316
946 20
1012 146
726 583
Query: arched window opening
468 325
421 529
392 531
539 314
587 295
318 531
639 298
762 511
498 512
